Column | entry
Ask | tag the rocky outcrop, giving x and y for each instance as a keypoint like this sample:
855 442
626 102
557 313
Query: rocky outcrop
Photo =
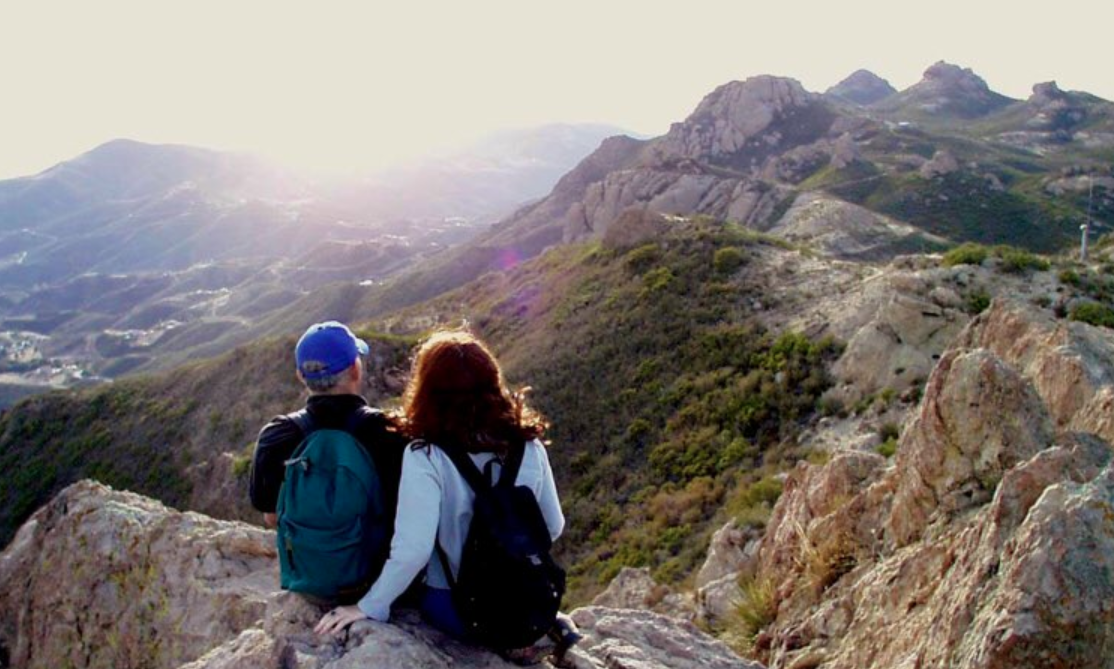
896 348
730 159
624 639
745 201
947 91
846 231
862 87
941 164
101 578
739 122
1070 364
987 543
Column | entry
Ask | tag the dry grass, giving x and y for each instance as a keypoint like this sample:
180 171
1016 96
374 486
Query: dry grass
757 608
826 559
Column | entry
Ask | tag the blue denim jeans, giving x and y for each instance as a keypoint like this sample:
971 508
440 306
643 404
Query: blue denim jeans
438 610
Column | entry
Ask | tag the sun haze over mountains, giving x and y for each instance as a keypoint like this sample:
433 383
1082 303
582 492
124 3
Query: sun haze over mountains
356 87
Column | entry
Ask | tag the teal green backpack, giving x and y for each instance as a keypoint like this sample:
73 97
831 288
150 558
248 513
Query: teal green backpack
333 533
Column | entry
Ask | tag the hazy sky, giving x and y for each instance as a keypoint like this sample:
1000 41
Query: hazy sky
355 85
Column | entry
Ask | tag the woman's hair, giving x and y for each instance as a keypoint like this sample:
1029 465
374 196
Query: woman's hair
457 396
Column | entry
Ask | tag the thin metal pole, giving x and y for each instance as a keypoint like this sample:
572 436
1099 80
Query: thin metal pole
1086 227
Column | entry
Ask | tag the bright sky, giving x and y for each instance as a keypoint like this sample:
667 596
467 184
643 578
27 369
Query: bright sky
357 85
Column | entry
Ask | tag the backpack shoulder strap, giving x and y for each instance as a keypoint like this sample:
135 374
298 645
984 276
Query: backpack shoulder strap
303 421
364 412
468 470
511 464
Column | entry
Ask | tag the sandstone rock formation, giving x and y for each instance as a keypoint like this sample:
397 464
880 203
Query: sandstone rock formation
730 159
743 117
100 578
988 543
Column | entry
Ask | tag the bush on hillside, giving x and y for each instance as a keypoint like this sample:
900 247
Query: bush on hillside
1017 261
966 254
728 259
1093 314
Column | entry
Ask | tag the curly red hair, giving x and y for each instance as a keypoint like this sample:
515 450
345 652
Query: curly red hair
457 396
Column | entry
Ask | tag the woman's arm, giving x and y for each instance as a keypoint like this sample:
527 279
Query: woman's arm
419 511
548 501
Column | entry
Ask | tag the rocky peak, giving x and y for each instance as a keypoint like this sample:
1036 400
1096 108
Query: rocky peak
863 87
950 91
1047 93
946 76
743 121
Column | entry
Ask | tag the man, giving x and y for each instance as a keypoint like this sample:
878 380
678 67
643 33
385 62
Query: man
329 363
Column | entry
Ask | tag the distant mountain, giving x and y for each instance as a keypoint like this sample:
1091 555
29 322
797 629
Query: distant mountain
134 253
862 87
946 92
485 180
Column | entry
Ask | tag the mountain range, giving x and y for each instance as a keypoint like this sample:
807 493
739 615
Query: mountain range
131 246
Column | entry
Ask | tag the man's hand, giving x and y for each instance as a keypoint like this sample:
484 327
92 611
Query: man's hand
270 520
336 620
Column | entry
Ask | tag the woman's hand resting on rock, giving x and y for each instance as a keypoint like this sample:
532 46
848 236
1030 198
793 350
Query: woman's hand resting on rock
339 618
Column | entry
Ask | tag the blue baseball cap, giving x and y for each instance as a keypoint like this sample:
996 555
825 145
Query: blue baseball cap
327 349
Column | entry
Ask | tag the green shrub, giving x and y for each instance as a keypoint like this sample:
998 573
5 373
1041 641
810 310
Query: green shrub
966 254
977 302
641 259
1070 277
888 447
657 279
1017 261
1093 313
728 259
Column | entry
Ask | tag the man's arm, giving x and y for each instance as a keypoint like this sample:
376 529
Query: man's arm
276 443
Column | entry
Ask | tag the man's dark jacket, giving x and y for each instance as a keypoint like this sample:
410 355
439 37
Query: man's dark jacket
279 438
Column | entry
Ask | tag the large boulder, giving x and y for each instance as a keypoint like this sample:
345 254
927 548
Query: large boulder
1070 364
979 419
101 578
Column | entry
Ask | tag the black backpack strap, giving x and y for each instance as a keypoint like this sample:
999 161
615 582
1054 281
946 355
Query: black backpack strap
352 425
512 462
468 470
445 566
304 421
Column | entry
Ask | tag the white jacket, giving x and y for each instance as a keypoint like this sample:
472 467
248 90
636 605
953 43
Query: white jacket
435 503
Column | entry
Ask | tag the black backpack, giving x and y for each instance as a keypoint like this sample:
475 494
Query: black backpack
508 590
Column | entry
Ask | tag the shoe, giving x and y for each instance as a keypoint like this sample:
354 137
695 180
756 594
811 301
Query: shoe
564 635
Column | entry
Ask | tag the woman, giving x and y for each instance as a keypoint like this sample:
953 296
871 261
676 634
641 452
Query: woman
456 396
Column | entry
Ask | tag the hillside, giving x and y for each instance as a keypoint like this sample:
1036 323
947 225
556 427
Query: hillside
686 364
683 364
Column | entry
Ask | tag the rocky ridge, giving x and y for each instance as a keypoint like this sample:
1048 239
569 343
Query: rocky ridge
948 90
988 541
147 586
